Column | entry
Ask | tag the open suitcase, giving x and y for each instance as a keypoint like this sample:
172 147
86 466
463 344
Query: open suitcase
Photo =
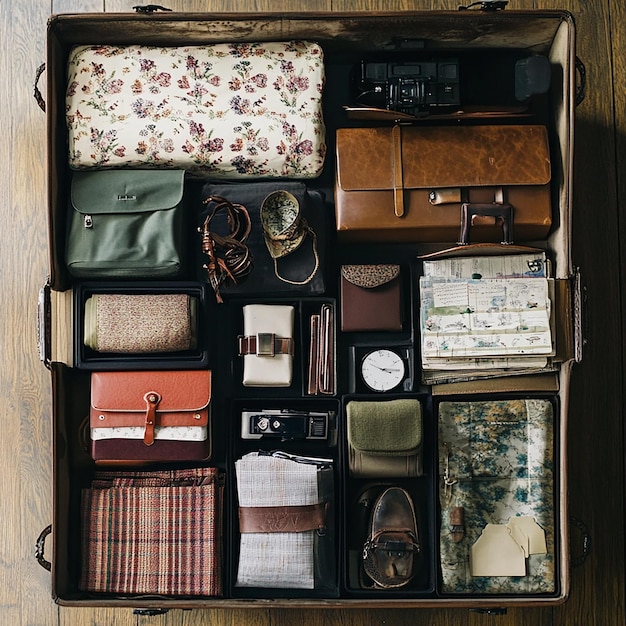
413 109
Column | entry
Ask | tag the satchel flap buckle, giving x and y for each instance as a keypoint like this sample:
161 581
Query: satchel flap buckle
152 399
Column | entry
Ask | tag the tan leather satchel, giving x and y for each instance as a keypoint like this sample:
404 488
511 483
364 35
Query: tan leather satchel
150 416
443 184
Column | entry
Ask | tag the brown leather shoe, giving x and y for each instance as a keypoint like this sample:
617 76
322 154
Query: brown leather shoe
393 542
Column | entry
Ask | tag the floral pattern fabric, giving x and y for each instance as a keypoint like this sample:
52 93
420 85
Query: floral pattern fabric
224 110
497 458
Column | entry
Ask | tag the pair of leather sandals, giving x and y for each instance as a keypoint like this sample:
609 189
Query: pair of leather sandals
392 545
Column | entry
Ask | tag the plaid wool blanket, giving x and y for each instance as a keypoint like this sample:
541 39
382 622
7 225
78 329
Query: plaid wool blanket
153 532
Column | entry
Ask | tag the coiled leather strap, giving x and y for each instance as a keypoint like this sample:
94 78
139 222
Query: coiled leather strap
230 258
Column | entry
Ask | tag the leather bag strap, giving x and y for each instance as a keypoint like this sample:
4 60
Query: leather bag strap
398 181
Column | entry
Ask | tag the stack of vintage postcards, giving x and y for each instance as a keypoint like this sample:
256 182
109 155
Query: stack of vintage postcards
486 316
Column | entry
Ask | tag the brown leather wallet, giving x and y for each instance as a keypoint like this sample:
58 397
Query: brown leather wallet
371 298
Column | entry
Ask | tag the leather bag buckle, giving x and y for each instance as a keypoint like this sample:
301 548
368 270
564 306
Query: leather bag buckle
152 399
265 344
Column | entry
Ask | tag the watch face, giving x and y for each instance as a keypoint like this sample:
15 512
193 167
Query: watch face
382 370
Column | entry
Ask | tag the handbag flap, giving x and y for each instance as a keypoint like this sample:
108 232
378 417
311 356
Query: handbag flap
370 276
443 156
126 191
387 428
117 398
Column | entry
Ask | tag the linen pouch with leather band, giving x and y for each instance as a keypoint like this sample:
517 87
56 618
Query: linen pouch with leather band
125 223
267 345
150 416
436 183
371 298
286 522
224 110
140 323
384 438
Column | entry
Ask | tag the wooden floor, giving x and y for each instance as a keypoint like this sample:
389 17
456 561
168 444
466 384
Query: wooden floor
596 440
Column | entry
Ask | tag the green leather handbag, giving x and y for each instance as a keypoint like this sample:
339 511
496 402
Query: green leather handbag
125 223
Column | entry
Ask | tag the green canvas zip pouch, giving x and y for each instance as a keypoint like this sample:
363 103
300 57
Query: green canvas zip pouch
384 438
125 223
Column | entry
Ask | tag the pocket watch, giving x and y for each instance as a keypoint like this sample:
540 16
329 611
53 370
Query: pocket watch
382 369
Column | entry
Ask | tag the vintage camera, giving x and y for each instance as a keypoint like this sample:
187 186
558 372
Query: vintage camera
284 424
413 88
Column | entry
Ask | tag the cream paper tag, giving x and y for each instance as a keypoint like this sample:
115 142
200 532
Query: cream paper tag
528 534
496 553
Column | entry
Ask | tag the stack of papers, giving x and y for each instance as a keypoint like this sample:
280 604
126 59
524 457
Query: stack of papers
485 316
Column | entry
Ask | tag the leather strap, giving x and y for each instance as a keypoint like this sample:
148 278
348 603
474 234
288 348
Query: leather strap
398 182
229 258
314 367
282 519
457 515
265 344
152 399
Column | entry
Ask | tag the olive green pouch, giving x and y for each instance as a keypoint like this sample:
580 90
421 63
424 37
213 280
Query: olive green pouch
384 438
125 223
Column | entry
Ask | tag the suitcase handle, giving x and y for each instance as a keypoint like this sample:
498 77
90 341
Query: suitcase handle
43 325
503 214
149 8
40 545
581 83
36 93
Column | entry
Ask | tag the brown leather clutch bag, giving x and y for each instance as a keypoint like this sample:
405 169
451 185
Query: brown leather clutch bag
371 298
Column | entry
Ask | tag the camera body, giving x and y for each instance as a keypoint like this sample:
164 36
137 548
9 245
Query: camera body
284 424
412 87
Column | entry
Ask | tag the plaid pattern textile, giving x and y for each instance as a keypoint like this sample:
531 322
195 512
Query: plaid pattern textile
276 560
153 532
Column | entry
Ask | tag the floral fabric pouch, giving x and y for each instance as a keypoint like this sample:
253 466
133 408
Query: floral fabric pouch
228 110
